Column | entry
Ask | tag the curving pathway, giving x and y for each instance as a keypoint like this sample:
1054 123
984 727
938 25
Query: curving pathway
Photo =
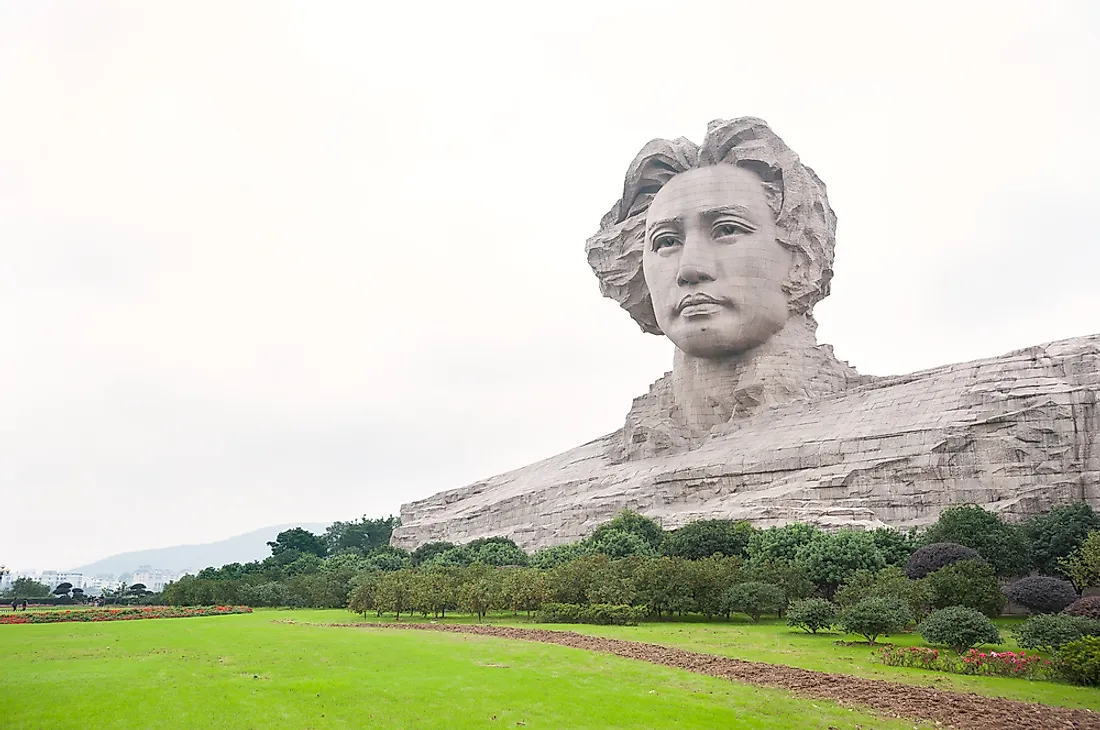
951 709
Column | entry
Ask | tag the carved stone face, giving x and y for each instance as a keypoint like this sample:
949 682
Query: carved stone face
714 269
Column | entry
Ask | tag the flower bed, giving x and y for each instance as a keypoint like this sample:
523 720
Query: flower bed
987 663
119 614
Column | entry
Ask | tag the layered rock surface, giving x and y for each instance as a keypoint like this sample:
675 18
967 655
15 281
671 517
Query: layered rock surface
1017 434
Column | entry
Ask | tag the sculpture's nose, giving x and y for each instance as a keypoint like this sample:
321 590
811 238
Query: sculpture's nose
695 265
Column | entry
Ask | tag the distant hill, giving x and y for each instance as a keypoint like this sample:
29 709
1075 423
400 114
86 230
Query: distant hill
239 549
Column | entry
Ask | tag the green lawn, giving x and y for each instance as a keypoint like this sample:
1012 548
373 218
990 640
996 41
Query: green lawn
246 671
776 643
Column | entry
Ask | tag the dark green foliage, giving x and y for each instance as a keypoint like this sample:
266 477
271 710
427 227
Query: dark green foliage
925 560
1055 535
1086 607
1001 544
790 577
559 554
959 628
361 536
497 551
704 538
627 521
63 589
890 582
875 617
812 614
895 546
457 557
1050 631
524 589
1042 594
29 588
621 544
1083 565
971 583
830 558
387 558
663 585
600 613
299 540
429 550
781 542
708 579
754 598
1080 660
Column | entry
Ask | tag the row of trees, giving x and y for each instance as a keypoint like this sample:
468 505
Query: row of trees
632 560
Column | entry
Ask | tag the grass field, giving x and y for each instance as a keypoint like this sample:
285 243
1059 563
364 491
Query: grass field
247 672
253 671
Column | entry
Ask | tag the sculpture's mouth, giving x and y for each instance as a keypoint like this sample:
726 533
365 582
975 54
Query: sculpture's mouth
698 300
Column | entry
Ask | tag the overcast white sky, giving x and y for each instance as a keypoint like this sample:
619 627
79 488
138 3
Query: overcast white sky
268 262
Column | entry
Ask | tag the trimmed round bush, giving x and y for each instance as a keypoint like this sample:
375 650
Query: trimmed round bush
971 583
1086 607
959 628
1081 660
1051 631
935 556
874 617
812 614
1040 594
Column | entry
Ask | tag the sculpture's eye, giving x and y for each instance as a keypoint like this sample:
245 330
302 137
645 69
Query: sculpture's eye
723 229
665 240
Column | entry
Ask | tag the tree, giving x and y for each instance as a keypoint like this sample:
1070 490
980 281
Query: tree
63 589
932 557
789 576
1083 564
812 614
386 558
360 536
708 579
78 595
621 544
395 593
363 593
298 539
781 542
971 583
831 557
890 582
524 589
436 590
959 628
499 552
1042 594
703 538
754 598
480 590
1056 534
894 545
1001 544
29 588
663 585
628 521
874 617
429 550
551 557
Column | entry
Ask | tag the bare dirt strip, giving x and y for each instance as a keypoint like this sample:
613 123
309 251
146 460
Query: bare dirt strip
965 711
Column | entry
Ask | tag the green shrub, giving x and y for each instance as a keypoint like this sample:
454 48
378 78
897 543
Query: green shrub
932 557
1040 594
754 598
1080 660
1050 631
1087 607
875 617
811 614
959 628
600 613
971 583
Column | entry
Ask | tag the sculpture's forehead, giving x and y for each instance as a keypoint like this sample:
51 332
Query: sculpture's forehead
706 188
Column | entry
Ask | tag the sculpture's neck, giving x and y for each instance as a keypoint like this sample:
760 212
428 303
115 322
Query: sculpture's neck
712 391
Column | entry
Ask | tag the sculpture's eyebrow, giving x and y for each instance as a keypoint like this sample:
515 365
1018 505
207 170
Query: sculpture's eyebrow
738 210
674 222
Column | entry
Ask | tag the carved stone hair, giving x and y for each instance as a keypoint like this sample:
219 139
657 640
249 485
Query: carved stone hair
805 223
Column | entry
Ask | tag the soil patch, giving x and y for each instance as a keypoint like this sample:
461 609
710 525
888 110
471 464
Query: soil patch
965 711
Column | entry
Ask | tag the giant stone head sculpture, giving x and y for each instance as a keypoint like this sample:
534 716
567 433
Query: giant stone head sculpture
717 246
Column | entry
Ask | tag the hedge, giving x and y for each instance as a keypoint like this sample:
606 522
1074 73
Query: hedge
118 614
601 613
